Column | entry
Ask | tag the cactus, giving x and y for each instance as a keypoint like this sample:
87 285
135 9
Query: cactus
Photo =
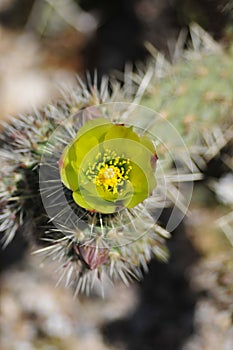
193 96
23 142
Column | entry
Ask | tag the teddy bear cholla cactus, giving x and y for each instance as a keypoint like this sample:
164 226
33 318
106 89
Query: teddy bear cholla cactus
8 187
23 142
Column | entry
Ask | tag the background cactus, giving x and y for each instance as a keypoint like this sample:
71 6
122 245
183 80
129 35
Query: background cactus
194 93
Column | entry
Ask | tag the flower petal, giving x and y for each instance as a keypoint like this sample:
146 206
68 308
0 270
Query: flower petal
93 203
69 177
95 127
121 132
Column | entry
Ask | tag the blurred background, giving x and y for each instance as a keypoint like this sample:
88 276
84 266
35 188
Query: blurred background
185 304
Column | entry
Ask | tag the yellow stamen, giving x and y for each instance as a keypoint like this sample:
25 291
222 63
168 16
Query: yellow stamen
108 177
110 171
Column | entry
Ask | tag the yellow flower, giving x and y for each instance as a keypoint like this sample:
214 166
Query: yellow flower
108 167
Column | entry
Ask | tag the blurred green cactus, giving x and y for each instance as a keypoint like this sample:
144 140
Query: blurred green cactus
195 95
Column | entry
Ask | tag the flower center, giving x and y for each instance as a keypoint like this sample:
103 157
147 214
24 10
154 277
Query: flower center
109 177
109 171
